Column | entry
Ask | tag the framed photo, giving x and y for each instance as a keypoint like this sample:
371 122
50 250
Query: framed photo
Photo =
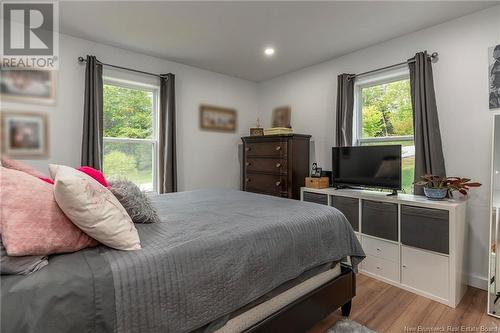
282 117
494 75
28 86
215 118
24 135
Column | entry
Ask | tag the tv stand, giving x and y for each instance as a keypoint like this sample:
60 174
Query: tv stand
393 193
406 235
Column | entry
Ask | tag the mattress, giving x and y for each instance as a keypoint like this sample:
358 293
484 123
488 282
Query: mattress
265 309
213 254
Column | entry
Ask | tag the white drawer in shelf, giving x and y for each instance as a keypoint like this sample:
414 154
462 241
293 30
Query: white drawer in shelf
381 249
425 271
381 267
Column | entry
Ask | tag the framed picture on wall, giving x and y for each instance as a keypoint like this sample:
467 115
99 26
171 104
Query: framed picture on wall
28 86
494 75
282 117
24 134
216 118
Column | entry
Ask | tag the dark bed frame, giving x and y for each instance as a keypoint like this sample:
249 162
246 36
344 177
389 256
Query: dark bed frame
305 312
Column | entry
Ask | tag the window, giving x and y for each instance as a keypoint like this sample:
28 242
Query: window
385 116
130 134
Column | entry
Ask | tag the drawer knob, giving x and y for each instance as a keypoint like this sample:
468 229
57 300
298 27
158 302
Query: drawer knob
378 267
378 250
404 266
247 148
278 165
278 183
247 180
278 147
248 163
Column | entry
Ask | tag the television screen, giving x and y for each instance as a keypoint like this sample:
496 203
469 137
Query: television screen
370 166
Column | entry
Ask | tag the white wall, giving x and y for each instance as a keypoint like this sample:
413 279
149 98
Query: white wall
205 159
209 159
461 83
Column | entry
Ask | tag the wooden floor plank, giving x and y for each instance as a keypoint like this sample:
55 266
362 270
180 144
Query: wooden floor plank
414 315
386 308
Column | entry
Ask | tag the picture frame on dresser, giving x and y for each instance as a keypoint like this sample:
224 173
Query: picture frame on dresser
410 242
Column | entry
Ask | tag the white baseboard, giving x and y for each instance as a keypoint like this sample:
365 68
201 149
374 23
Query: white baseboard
477 281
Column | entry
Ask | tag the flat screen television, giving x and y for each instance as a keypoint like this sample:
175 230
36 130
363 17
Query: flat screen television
367 166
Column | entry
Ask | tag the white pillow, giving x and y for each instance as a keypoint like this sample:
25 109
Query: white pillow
93 208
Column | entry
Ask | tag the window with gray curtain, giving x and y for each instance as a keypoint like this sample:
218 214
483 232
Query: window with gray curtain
92 115
345 104
429 157
167 154
384 115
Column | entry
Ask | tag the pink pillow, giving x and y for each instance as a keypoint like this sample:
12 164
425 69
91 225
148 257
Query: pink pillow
18 165
31 221
94 173
47 180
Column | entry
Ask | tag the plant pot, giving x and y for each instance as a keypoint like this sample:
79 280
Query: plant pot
435 193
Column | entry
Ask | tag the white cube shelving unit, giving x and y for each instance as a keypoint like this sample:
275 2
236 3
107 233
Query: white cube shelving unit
410 242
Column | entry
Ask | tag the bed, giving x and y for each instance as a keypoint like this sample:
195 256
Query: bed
217 258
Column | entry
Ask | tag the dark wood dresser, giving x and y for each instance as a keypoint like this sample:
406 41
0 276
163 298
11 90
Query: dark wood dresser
275 164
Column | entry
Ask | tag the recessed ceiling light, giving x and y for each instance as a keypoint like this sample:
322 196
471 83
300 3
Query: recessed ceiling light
269 51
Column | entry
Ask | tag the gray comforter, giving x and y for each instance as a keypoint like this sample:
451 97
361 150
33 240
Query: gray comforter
214 252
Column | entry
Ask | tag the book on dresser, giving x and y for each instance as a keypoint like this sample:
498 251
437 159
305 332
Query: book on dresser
275 164
409 241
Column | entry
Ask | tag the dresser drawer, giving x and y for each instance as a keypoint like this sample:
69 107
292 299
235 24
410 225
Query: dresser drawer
381 267
268 148
271 165
425 271
262 183
381 249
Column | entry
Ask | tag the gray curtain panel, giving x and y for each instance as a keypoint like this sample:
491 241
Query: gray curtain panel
167 161
345 105
93 115
429 157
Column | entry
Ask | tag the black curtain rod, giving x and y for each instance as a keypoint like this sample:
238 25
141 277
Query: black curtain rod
82 60
433 57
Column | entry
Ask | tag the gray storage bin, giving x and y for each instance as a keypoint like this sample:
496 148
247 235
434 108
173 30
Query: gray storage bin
380 219
425 228
316 198
350 208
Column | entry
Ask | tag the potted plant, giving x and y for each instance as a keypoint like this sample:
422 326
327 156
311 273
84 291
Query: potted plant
438 187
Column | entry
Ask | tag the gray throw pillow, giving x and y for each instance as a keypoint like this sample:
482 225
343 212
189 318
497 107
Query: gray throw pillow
20 265
135 202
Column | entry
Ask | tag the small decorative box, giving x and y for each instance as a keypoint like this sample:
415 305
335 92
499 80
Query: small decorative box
321 182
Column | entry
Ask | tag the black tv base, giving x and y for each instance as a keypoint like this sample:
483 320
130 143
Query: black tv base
393 193
343 187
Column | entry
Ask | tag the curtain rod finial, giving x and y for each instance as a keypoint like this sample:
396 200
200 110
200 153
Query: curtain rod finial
81 59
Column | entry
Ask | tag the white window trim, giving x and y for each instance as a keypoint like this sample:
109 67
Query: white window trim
155 114
370 81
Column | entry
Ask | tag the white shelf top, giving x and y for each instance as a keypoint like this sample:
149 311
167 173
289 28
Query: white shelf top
410 199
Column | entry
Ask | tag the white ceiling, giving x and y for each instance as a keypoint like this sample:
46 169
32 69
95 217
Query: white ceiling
229 37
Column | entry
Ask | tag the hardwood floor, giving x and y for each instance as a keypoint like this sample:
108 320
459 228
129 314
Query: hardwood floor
385 308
